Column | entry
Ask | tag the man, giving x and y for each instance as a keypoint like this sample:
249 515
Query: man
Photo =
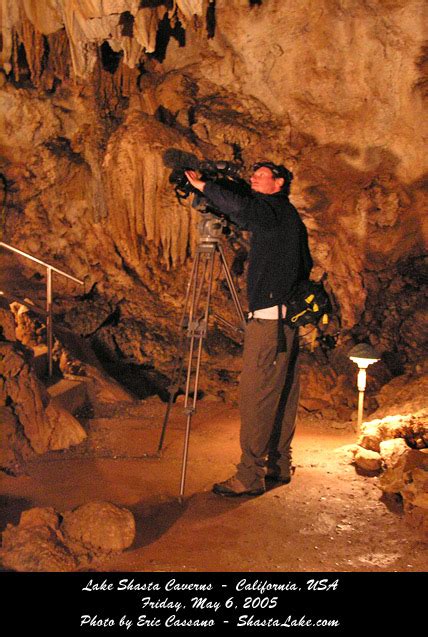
269 386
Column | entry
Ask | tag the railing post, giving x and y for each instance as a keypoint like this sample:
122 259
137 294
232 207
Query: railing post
49 314
49 325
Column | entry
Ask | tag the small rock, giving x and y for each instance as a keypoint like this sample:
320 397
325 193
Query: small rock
370 436
7 322
339 425
416 489
35 548
40 517
66 430
395 477
325 525
367 460
392 450
211 398
347 452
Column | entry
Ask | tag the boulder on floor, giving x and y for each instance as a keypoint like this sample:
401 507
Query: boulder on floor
99 527
47 541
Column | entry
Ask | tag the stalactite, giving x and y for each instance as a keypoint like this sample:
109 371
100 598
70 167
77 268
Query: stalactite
146 26
45 16
189 8
88 23
35 50
3 197
59 61
128 80
46 56
105 89
15 67
211 19
83 54
9 16
114 84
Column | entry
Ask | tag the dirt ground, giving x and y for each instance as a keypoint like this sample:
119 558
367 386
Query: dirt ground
329 518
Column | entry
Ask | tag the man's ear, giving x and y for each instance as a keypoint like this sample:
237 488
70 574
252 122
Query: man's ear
280 181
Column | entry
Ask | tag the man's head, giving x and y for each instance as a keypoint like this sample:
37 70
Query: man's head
269 178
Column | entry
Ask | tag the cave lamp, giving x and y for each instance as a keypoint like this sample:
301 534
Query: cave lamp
363 355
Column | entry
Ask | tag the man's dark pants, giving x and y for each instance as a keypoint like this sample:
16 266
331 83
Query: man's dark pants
269 396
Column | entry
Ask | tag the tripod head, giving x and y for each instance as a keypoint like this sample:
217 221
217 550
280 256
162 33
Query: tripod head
211 228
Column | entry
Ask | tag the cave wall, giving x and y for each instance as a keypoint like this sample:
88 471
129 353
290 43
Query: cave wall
93 92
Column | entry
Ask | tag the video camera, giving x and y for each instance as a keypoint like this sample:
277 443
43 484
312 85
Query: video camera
222 172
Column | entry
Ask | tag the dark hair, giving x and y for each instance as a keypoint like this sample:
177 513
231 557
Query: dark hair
279 171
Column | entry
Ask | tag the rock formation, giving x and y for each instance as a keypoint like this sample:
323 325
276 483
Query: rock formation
46 541
397 446
93 92
29 421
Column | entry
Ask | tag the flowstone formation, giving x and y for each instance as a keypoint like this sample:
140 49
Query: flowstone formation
94 92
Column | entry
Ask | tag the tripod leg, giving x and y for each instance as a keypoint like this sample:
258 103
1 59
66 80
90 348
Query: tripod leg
173 389
191 410
231 285
178 368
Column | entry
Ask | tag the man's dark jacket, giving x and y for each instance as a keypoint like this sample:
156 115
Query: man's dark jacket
279 253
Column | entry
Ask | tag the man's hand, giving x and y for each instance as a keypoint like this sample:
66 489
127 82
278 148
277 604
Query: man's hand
193 178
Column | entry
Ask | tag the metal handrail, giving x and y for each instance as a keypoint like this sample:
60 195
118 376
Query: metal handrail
49 296
47 265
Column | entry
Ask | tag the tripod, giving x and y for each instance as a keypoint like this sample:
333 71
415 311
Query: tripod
194 324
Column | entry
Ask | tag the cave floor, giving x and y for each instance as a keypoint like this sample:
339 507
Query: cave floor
329 518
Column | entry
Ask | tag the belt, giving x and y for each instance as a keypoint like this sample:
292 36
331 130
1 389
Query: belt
268 313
